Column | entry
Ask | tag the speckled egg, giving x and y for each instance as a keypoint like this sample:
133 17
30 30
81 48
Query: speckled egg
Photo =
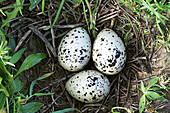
74 50
88 86
108 53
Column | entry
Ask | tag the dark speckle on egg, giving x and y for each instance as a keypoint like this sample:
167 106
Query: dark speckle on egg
117 54
85 99
81 52
82 58
66 56
85 94
64 50
102 39
94 97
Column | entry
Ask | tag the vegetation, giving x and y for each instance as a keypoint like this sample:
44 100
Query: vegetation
151 93
10 85
153 13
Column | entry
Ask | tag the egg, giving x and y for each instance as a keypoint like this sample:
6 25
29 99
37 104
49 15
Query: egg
74 50
88 86
108 53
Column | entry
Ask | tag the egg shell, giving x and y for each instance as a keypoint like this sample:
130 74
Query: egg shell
108 53
88 86
74 50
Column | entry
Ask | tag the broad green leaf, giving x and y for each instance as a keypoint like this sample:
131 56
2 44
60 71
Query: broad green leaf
154 95
149 97
17 56
18 86
67 110
142 104
163 99
152 82
2 100
30 61
142 88
155 88
31 107
34 3
40 78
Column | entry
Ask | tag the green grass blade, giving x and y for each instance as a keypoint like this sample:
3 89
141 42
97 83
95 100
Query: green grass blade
94 11
76 1
90 13
85 16
126 36
58 13
157 24
123 1
162 16
7 105
67 110
43 5
42 94
40 78
20 6
30 61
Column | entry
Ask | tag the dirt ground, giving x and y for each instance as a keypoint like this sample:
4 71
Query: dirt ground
28 32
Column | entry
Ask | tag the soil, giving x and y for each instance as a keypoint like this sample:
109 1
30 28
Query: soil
124 85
